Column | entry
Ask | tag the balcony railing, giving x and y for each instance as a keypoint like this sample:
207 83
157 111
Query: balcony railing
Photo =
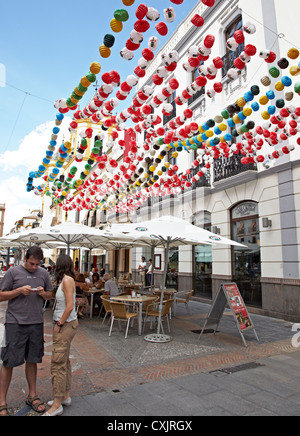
229 58
225 168
196 96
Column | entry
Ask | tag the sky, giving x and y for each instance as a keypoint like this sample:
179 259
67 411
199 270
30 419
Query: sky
45 49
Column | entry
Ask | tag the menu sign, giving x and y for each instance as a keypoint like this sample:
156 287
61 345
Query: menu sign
229 295
238 306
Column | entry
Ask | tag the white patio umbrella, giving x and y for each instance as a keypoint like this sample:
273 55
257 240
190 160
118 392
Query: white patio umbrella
169 231
70 234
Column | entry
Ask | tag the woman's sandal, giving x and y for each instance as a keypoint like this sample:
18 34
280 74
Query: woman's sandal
38 403
4 408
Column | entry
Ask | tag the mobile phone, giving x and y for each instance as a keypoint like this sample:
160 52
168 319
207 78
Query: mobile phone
34 290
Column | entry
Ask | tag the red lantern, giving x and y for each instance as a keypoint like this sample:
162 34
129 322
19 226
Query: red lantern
218 63
239 36
157 80
271 58
194 62
141 11
197 20
174 84
208 3
218 87
141 26
148 54
131 45
139 72
239 64
250 50
162 28
209 41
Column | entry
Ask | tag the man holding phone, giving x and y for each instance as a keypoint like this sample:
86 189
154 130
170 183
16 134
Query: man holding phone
25 287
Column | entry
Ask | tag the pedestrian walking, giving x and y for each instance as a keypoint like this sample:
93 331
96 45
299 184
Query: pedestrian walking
25 287
65 326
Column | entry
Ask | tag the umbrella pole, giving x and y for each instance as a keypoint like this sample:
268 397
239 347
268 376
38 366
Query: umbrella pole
152 275
158 337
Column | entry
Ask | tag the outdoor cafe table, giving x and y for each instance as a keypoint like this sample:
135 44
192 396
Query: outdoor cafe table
92 292
140 301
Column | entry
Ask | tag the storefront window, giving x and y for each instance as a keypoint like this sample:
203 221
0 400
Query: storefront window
203 259
247 262
172 275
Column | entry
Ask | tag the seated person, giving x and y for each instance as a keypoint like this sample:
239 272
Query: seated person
96 282
81 300
110 287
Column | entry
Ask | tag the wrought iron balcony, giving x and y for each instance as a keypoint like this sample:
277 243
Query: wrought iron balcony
196 96
225 168
228 59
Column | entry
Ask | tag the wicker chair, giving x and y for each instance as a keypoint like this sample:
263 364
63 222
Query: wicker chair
186 300
107 307
153 312
120 313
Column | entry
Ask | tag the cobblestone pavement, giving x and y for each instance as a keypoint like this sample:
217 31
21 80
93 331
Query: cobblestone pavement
109 371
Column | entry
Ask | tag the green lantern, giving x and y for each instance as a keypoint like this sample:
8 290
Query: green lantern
91 77
121 15
274 72
297 87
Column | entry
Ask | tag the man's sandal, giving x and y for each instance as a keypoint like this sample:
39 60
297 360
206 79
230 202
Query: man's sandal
38 403
4 408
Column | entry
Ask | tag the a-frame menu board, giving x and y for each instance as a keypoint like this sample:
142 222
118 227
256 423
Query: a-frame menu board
230 294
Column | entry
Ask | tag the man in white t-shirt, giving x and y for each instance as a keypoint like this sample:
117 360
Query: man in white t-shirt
142 270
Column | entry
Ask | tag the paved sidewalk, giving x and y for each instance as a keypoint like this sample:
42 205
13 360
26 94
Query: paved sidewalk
186 377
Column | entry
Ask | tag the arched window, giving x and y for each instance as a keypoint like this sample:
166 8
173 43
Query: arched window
247 262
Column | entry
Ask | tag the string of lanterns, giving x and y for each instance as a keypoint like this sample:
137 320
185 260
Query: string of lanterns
143 173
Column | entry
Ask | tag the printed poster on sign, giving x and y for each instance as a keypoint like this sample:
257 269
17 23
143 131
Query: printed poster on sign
238 306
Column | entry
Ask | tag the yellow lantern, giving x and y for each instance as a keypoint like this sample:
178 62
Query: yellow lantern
175 155
128 2
223 127
247 111
201 130
293 53
264 99
236 119
159 173
266 115
279 86
95 68
167 165
209 133
104 51
152 169
241 102
116 26
85 82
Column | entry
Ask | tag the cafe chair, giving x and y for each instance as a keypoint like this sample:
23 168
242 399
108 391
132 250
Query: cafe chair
186 300
153 312
107 307
120 313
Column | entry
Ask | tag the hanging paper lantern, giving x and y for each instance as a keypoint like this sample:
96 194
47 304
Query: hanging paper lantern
250 50
162 28
239 36
148 54
209 41
209 3
109 40
293 53
121 15
218 87
104 51
116 26
271 58
197 20
283 63
141 26
95 68
169 14
249 28
141 11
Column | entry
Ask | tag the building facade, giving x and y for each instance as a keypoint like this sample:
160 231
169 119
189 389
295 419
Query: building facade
257 205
